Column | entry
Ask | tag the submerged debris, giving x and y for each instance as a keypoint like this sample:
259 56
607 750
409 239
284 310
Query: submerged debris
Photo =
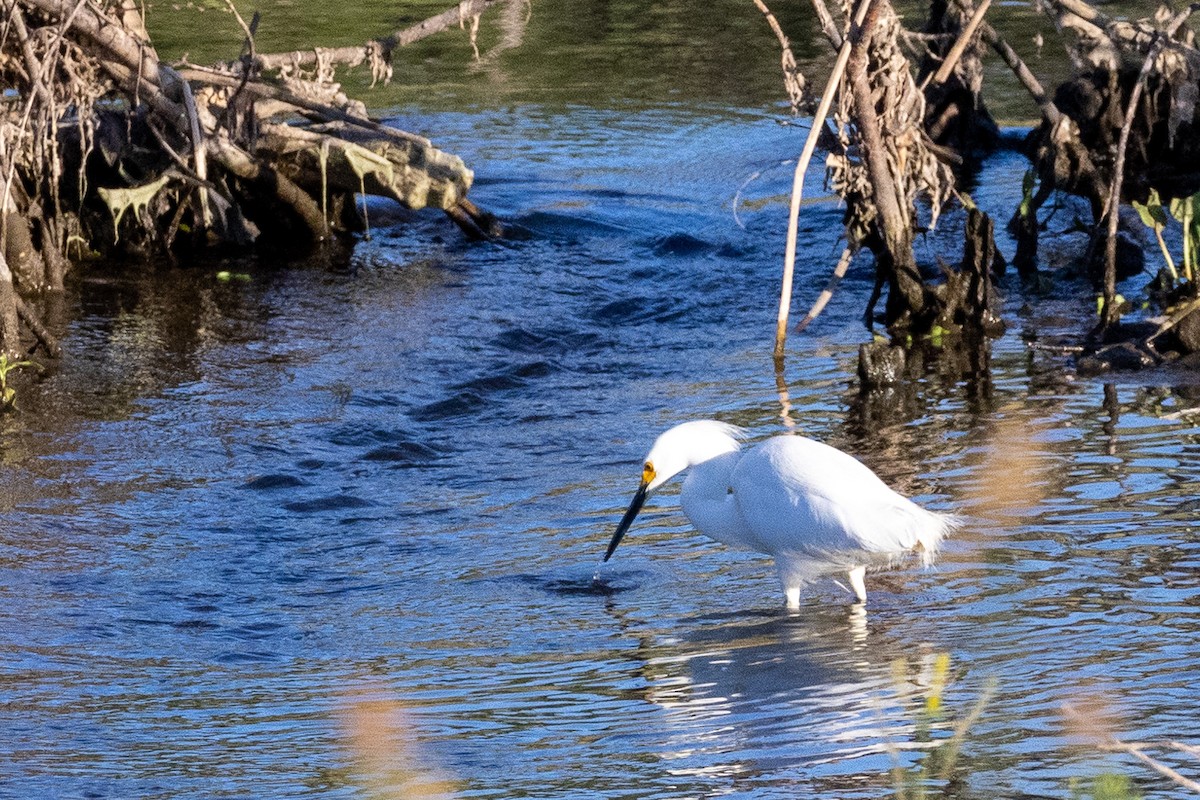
106 149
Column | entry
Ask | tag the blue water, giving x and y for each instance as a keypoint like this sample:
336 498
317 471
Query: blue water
321 532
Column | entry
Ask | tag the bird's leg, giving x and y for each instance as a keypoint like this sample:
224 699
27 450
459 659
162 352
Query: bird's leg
793 597
858 583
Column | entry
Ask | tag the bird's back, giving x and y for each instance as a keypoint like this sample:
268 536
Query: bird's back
804 498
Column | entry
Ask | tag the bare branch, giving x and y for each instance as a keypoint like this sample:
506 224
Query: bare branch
353 56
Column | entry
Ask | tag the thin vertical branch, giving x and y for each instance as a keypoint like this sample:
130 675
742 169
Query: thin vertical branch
1109 314
810 144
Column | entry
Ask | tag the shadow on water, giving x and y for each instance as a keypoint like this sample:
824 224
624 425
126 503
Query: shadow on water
608 584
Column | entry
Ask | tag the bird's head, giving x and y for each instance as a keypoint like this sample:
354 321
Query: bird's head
674 451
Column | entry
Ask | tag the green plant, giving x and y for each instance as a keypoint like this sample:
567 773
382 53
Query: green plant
1106 786
1027 185
912 783
1184 210
8 395
1154 216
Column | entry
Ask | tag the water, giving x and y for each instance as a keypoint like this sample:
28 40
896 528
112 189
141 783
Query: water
317 532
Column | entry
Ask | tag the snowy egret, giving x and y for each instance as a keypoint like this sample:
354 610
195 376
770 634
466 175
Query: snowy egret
815 509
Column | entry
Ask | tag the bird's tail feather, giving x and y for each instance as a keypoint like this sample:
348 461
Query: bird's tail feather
930 535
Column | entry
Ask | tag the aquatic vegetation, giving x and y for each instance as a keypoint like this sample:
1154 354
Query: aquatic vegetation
8 395
1107 786
938 766
1156 216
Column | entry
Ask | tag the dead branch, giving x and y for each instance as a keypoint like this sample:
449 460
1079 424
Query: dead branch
466 223
376 48
823 299
951 78
793 79
240 163
1176 316
960 46
828 26
351 160
44 337
810 145
1109 313
892 221
320 111
1109 742
1050 111
112 39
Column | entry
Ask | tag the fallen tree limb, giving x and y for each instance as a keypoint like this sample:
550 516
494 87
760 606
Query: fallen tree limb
240 163
1109 314
351 160
793 80
894 256
112 38
323 111
960 46
379 48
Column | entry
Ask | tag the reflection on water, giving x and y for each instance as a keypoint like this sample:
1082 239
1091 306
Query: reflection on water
238 503
785 698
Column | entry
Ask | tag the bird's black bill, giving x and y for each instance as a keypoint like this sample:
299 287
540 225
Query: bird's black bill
627 520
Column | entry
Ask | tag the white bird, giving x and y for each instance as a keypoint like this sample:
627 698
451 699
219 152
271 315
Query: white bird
815 509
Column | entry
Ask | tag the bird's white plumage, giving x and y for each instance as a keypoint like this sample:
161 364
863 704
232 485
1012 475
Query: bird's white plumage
815 509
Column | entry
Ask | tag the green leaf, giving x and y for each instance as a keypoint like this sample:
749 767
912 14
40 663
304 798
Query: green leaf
1152 213
1178 208
1027 184
1118 301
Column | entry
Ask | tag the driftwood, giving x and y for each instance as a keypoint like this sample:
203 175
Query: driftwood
1124 128
377 52
884 164
810 146
1076 151
106 148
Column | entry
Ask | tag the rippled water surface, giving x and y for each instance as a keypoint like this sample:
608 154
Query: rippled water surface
307 532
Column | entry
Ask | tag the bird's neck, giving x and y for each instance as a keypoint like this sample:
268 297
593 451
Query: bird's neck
708 502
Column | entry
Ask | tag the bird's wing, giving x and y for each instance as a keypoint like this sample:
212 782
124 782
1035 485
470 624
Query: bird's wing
799 495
